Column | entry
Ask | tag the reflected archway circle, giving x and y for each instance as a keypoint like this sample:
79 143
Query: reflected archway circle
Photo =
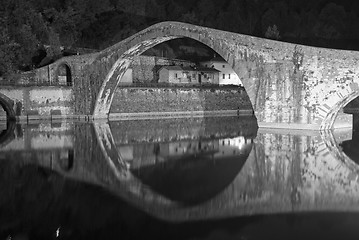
336 150
8 134
8 105
148 195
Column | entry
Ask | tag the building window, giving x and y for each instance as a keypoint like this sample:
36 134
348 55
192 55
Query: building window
223 66
176 75
229 76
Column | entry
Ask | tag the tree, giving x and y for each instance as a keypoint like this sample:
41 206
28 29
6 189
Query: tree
154 10
253 13
54 48
331 22
208 11
174 11
232 18
272 32
7 56
190 17
269 19
67 24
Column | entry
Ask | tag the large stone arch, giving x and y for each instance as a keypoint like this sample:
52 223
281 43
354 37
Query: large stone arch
122 54
8 105
289 86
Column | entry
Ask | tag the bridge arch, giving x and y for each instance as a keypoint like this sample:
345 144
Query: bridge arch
120 58
333 103
64 74
8 105
289 85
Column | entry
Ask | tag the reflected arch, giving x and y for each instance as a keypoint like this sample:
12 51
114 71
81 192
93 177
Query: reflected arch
142 191
336 149
8 105
123 53
328 162
8 134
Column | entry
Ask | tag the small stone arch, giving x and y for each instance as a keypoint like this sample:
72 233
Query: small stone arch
64 75
8 105
329 109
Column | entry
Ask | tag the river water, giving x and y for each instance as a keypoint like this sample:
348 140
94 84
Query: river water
198 178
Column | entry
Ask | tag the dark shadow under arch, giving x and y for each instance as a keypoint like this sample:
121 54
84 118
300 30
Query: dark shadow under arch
64 75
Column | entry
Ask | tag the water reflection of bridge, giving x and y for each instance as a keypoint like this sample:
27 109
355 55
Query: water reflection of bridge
284 171
47 144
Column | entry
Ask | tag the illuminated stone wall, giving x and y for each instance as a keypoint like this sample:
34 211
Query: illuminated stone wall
40 101
167 100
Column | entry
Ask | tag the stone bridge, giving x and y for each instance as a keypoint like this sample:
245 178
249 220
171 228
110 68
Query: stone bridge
289 85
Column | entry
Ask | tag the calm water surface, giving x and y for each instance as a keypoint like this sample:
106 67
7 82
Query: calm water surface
200 178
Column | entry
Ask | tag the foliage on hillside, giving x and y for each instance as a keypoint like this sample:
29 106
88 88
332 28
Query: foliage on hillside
31 30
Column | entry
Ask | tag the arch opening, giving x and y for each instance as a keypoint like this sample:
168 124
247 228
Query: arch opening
350 108
66 159
190 74
196 63
64 75
338 115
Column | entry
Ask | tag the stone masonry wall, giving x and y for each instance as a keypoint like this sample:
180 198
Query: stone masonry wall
41 101
48 75
137 100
